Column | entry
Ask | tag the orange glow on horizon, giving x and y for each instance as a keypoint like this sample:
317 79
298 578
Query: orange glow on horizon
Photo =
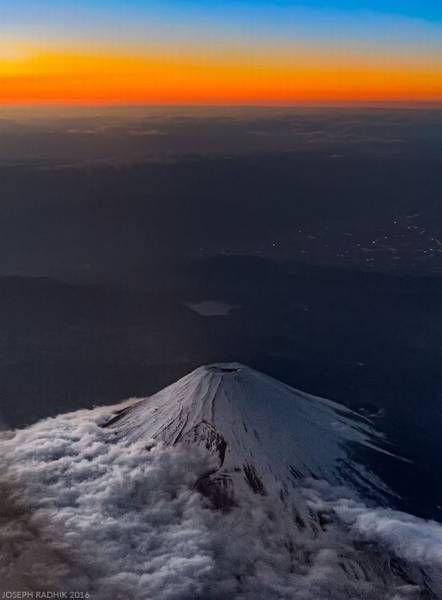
108 78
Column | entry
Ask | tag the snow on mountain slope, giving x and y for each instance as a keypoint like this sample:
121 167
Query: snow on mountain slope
124 502
271 433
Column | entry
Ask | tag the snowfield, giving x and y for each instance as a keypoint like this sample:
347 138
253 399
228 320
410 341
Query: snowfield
226 485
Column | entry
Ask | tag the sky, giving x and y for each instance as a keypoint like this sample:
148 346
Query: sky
220 51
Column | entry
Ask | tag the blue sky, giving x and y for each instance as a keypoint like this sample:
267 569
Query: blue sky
409 21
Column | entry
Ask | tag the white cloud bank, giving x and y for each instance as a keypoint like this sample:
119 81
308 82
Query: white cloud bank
82 511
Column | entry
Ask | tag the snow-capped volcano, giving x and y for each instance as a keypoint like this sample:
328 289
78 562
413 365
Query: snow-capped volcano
260 431
227 484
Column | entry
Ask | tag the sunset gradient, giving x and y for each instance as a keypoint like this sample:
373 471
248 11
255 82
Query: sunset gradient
228 52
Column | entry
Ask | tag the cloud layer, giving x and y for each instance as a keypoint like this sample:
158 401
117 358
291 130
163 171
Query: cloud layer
82 511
